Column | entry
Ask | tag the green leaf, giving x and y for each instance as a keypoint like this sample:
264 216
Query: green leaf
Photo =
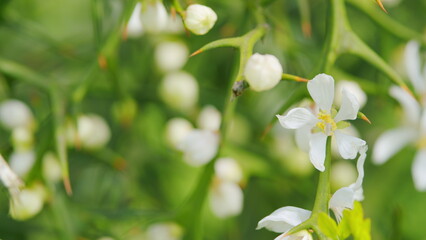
328 226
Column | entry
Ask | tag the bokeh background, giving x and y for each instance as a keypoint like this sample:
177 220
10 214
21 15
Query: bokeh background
124 187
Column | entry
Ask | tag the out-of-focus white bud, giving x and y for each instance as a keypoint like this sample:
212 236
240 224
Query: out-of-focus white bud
227 169
14 114
171 56
199 19
199 147
9 178
21 162
353 88
93 131
391 3
175 25
28 202
343 174
263 72
164 231
22 138
154 16
51 167
209 118
134 26
226 199
176 131
179 90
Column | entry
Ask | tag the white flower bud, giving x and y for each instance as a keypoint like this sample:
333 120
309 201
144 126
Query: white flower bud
164 231
14 113
28 202
134 26
179 90
353 88
209 118
199 147
199 19
154 16
21 162
51 167
176 131
343 174
226 199
22 138
171 56
227 169
93 131
263 72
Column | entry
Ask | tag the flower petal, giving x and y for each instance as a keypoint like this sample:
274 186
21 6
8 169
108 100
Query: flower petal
391 142
297 118
410 106
349 146
303 136
317 150
412 64
321 89
418 170
349 108
341 200
284 219
360 168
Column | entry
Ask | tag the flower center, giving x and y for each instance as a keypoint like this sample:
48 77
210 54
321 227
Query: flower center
326 123
421 143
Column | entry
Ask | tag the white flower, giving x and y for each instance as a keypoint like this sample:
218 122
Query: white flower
51 167
179 90
176 131
413 131
263 72
9 178
134 26
344 197
199 147
284 219
14 114
227 169
324 123
209 118
92 131
164 231
171 56
21 162
199 19
154 16
226 199
28 202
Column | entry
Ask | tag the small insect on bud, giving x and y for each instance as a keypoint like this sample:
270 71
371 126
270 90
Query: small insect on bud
199 19
263 72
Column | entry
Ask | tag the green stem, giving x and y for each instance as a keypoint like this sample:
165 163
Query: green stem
323 190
